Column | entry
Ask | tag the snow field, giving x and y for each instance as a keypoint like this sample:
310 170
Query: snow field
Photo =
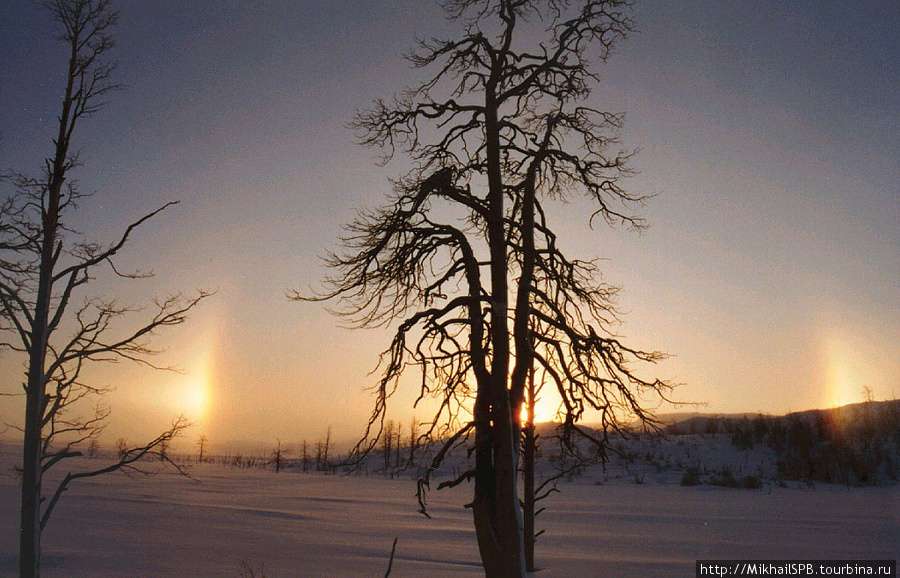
294 524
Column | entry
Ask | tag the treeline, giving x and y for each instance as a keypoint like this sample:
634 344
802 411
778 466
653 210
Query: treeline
307 457
855 445
399 450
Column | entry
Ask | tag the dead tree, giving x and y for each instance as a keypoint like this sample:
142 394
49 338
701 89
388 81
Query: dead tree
387 441
121 447
529 447
464 258
413 441
202 442
326 447
304 457
322 448
319 451
398 445
44 267
279 455
164 450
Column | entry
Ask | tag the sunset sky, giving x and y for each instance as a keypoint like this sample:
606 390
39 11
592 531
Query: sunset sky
769 133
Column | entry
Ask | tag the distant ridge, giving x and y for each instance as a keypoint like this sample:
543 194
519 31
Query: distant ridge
845 415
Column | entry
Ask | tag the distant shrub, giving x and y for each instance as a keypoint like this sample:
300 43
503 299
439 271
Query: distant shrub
248 571
742 437
691 477
751 482
724 477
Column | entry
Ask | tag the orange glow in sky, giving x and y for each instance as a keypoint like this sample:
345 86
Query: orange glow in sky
848 365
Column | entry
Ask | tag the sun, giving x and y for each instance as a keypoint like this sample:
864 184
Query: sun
545 412
546 409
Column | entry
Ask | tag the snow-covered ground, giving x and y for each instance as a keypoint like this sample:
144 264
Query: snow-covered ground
294 524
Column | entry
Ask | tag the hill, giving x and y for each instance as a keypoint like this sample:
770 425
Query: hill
857 444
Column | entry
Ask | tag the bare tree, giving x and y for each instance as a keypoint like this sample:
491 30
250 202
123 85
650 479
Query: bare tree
413 440
279 455
121 447
163 453
319 451
326 447
398 445
44 265
322 448
304 456
465 259
387 440
867 394
202 442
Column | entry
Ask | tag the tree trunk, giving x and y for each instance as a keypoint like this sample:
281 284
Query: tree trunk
35 402
483 506
498 518
30 529
498 526
528 478
509 513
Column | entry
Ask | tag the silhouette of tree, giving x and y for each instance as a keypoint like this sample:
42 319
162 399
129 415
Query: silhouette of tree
202 442
529 447
465 257
279 455
413 440
304 456
387 441
44 265
326 447
322 448
398 445
121 447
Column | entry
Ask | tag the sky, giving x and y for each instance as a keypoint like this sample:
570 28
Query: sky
768 134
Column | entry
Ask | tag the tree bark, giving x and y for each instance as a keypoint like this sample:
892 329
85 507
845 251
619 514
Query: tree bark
528 477
30 529
502 554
